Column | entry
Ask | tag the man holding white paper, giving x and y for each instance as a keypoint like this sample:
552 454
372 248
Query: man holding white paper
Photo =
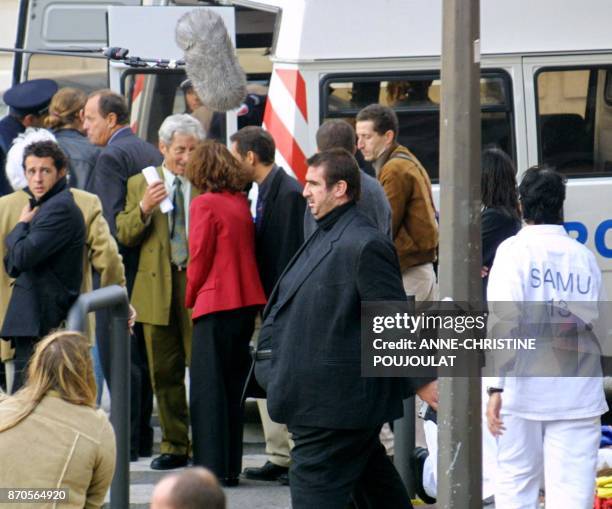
156 219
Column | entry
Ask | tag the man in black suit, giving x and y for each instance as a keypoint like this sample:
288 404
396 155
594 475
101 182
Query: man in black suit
278 236
44 254
280 203
106 120
309 350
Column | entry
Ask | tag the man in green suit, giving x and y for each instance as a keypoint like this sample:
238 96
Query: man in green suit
159 288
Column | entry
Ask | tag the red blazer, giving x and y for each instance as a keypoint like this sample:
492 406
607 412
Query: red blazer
222 272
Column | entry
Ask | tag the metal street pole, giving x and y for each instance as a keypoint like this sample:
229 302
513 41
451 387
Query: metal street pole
115 298
459 414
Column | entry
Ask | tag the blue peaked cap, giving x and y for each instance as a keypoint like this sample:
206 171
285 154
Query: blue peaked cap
30 97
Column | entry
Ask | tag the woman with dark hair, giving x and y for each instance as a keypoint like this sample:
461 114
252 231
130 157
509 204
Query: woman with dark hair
501 215
500 219
64 121
51 435
225 292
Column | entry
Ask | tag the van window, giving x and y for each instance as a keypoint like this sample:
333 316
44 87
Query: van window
153 95
416 100
87 74
575 120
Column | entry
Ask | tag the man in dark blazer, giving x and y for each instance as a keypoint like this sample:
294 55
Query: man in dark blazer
310 349
278 236
44 252
106 120
280 204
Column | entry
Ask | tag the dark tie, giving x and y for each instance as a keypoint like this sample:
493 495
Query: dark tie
178 236
259 209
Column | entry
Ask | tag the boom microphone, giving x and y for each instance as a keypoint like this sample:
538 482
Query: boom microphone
210 60
115 53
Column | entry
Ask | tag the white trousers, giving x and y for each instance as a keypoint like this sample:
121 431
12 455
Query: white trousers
430 467
564 452
489 458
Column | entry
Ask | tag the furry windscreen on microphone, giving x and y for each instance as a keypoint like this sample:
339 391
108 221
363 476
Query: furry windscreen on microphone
210 59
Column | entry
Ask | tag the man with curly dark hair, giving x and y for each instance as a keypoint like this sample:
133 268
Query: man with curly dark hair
44 254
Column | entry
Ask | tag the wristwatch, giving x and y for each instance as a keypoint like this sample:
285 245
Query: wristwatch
493 390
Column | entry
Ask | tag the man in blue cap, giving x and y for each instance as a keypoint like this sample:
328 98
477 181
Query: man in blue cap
28 103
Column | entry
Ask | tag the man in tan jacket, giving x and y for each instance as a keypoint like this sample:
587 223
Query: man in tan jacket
159 287
408 188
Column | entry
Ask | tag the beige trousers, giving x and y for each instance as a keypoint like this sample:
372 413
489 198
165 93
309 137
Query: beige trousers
420 281
278 442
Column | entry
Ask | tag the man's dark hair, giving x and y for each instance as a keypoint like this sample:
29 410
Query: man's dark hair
336 133
542 193
256 140
46 148
111 102
193 490
383 118
339 164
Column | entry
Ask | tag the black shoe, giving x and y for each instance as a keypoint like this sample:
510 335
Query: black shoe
169 461
133 456
229 482
269 472
419 455
284 479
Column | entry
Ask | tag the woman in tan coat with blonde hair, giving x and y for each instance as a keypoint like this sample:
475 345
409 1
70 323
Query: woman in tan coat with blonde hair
51 435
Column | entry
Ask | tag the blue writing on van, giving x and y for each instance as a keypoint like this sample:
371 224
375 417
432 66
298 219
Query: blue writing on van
580 232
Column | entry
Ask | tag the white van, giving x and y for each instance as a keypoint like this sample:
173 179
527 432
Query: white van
546 86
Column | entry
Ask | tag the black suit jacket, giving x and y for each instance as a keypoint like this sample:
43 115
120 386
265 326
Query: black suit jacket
126 155
282 230
46 257
496 226
314 375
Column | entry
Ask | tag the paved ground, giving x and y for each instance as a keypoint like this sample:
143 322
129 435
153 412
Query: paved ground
249 494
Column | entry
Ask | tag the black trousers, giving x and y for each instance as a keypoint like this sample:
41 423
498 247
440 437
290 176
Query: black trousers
141 392
329 467
24 348
220 363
